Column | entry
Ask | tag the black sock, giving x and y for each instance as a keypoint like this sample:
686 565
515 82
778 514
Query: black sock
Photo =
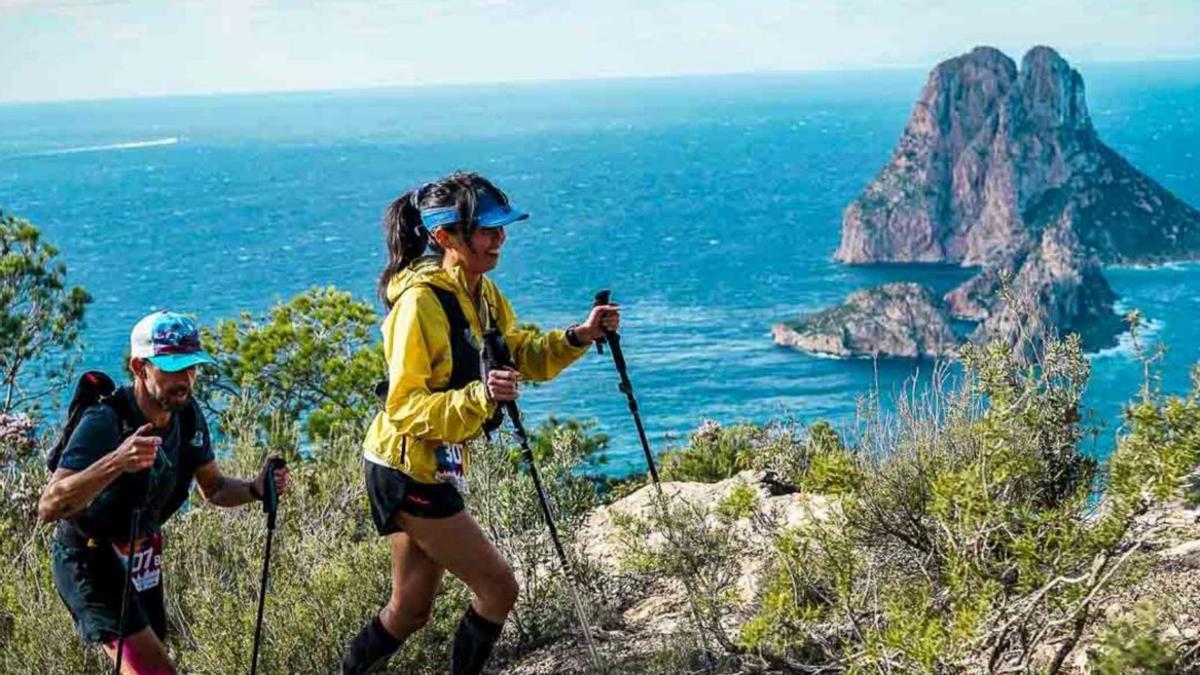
371 647
473 643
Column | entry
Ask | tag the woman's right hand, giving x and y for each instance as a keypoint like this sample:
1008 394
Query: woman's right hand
137 452
502 385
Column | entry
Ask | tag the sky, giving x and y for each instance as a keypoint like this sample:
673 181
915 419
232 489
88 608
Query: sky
88 49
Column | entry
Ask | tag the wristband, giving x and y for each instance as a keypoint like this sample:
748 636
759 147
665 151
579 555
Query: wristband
572 338
254 491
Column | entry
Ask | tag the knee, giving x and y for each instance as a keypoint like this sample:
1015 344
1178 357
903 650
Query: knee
402 619
504 590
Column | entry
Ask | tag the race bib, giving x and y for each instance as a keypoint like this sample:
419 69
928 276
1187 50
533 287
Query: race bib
146 572
450 467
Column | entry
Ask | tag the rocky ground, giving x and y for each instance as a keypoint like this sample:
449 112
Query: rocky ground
656 613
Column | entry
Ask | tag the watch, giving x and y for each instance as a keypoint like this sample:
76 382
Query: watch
573 338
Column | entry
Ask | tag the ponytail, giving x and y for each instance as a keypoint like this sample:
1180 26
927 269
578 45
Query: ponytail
407 237
406 240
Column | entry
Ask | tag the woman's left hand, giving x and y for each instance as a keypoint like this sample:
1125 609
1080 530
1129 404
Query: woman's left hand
603 318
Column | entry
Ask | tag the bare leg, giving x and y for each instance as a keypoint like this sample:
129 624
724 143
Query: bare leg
415 579
457 544
414 582
143 654
460 547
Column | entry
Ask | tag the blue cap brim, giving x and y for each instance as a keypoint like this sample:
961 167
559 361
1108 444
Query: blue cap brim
173 363
490 214
501 216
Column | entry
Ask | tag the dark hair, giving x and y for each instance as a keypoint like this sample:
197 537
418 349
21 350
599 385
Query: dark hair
407 237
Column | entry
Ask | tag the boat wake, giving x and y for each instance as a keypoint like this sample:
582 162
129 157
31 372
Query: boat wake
132 145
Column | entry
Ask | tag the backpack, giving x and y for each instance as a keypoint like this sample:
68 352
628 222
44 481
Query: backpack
95 387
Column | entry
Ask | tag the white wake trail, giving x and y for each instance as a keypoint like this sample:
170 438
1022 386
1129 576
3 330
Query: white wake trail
152 143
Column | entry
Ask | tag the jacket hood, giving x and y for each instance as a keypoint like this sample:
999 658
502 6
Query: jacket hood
427 270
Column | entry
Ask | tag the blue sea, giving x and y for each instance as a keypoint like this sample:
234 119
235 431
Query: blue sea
710 205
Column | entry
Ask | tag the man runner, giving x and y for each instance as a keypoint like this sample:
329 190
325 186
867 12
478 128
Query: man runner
138 449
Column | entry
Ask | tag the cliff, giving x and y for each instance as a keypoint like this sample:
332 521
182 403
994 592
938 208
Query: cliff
991 157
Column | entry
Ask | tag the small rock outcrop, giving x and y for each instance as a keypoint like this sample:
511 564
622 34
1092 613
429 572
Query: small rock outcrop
1055 286
665 609
893 320
1168 536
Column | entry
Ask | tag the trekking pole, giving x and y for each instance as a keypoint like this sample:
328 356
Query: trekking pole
613 340
135 521
496 355
270 507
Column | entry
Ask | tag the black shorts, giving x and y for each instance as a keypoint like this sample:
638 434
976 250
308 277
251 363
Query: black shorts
90 580
390 491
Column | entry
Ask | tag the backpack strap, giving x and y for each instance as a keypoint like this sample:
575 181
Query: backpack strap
97 388
121 402
464 355
460 332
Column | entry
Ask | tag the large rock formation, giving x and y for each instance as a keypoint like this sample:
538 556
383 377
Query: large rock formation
991 157
1000 168
892 320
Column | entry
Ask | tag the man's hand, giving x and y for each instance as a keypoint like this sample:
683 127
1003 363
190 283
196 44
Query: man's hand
282 478
137 453
69 492
502 385
602 318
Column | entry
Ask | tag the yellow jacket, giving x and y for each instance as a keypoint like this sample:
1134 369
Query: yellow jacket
423 429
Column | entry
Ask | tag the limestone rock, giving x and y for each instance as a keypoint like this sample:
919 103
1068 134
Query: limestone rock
991 156
1056 287
664 610
891 320
1001 168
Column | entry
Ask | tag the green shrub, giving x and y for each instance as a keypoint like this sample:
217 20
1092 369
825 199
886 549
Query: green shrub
974 537
1134 644
714 453
314 358
40 319
811 458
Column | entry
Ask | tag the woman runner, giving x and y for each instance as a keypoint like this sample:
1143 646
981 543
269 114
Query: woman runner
442 239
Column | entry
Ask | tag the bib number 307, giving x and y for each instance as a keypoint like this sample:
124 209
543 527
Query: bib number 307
146 570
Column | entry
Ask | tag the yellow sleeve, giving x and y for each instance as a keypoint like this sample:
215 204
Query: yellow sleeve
539 356
418 336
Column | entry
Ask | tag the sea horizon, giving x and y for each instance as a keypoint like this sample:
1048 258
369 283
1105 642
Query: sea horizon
1183 60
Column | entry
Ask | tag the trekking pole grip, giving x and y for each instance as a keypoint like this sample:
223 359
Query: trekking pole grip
270 497
602 297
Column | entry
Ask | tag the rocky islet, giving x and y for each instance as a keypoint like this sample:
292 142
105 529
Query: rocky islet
1000 168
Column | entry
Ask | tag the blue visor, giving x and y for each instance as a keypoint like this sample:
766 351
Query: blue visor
488 213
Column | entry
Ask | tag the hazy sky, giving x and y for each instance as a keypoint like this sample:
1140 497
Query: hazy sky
72 49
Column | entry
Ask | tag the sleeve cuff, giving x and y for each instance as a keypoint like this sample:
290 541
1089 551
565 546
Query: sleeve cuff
567 347
477 393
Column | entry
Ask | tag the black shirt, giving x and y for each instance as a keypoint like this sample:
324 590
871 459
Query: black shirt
160 491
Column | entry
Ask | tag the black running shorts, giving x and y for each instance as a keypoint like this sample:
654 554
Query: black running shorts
391 491
90 580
